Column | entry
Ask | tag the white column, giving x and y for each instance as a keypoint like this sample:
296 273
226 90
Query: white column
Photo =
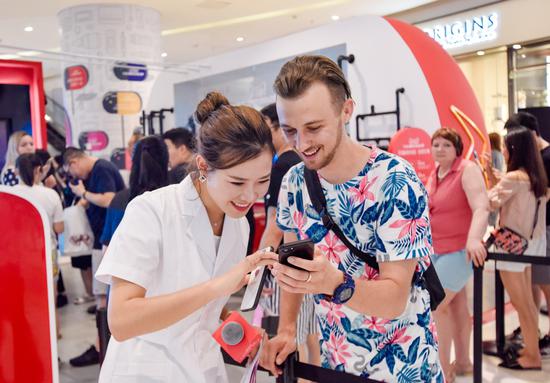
107 80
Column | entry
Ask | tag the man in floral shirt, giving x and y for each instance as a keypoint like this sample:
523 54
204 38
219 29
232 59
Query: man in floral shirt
384 329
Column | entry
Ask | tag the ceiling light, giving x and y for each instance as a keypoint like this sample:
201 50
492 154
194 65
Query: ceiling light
516 46
335 17
240 39
163 54
28 53
523 56
480 53
28 29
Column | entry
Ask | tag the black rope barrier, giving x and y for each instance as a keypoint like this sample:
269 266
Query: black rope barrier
499 306
292 369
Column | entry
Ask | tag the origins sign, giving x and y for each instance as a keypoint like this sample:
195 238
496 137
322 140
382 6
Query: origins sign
471 31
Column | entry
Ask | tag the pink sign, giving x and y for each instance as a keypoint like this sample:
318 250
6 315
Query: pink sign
414 145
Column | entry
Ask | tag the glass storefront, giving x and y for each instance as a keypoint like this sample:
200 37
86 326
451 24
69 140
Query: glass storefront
531 76
487 74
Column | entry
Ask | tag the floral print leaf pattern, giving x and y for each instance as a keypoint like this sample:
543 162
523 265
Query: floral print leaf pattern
387 211
316 232
409 375
312 213
394 183
356 339
393 163
332 247
357 212
383 212
413 350
370 215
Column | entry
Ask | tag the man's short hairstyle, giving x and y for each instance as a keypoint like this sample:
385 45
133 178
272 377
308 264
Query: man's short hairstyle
181 136
297 75
270 111
524 119
450 135
71 152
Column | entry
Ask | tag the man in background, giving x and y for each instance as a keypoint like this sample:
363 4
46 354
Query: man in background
181 149
97 182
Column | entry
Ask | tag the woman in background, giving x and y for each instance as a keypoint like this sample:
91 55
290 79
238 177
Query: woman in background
29 171
19 143
520 196
459 208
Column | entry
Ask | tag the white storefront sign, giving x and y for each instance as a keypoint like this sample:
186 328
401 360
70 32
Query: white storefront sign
461 33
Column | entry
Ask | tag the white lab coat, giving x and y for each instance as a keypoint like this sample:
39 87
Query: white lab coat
164 244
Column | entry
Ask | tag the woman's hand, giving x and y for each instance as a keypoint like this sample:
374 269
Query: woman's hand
237 277
476 251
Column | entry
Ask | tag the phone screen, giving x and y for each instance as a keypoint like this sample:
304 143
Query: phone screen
254 289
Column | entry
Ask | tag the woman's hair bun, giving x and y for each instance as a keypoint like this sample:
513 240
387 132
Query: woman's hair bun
212 102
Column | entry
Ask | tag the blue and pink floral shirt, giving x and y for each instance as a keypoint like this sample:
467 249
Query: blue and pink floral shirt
383 211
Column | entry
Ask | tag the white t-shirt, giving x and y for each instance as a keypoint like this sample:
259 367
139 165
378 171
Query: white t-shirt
49 200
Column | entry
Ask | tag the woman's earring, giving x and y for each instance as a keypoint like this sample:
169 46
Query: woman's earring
202 178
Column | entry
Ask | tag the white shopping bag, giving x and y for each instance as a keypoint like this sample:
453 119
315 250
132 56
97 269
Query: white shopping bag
78 235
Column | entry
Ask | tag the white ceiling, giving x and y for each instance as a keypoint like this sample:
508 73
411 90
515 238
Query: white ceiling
194 29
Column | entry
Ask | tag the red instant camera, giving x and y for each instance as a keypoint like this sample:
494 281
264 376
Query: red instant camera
237 337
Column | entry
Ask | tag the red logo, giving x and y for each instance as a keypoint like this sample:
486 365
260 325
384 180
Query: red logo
76 77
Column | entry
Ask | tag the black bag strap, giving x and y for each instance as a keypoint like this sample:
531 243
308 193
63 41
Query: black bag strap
536 219
317 197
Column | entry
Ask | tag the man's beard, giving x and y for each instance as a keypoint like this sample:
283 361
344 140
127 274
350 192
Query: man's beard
330 156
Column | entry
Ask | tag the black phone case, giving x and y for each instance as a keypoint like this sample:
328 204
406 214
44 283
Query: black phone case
301 249
259 293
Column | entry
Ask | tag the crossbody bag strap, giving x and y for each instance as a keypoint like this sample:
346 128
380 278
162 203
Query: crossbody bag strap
317 197
536 219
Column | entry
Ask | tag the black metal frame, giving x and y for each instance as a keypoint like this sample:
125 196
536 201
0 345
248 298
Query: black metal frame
350 59
374 113
499 303
147 120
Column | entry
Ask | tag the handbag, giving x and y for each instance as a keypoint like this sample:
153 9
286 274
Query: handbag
428 278
78 235
511 241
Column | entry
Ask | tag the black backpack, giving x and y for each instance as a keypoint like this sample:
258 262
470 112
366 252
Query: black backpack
429 278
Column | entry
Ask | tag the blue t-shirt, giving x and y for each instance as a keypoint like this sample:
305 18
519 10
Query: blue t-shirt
104 178
115 212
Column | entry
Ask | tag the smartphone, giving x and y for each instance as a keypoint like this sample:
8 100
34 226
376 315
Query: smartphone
255 285
301 249
254 288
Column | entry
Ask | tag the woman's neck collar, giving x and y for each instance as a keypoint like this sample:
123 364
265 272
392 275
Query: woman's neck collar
215 214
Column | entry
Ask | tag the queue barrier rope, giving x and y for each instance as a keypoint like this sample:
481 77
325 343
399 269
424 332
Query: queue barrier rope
292 369
499 305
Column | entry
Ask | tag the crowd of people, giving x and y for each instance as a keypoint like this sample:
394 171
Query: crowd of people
170 247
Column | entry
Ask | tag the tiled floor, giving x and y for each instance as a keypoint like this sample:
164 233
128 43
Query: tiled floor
79 331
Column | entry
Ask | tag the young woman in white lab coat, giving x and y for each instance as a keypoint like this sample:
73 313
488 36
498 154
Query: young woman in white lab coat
180 252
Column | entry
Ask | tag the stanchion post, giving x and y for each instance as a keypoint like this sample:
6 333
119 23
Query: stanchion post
499 312
287 367
478 308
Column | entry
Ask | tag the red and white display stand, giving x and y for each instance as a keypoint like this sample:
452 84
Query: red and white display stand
28 345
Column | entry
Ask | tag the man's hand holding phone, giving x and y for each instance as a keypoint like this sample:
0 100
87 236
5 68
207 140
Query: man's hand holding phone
297 274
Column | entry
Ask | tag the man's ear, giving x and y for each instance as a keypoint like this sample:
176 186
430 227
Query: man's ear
347 110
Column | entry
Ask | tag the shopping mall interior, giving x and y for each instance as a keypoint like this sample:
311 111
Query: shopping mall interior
86 82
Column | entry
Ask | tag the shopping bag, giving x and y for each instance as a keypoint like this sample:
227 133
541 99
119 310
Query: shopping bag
78 235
